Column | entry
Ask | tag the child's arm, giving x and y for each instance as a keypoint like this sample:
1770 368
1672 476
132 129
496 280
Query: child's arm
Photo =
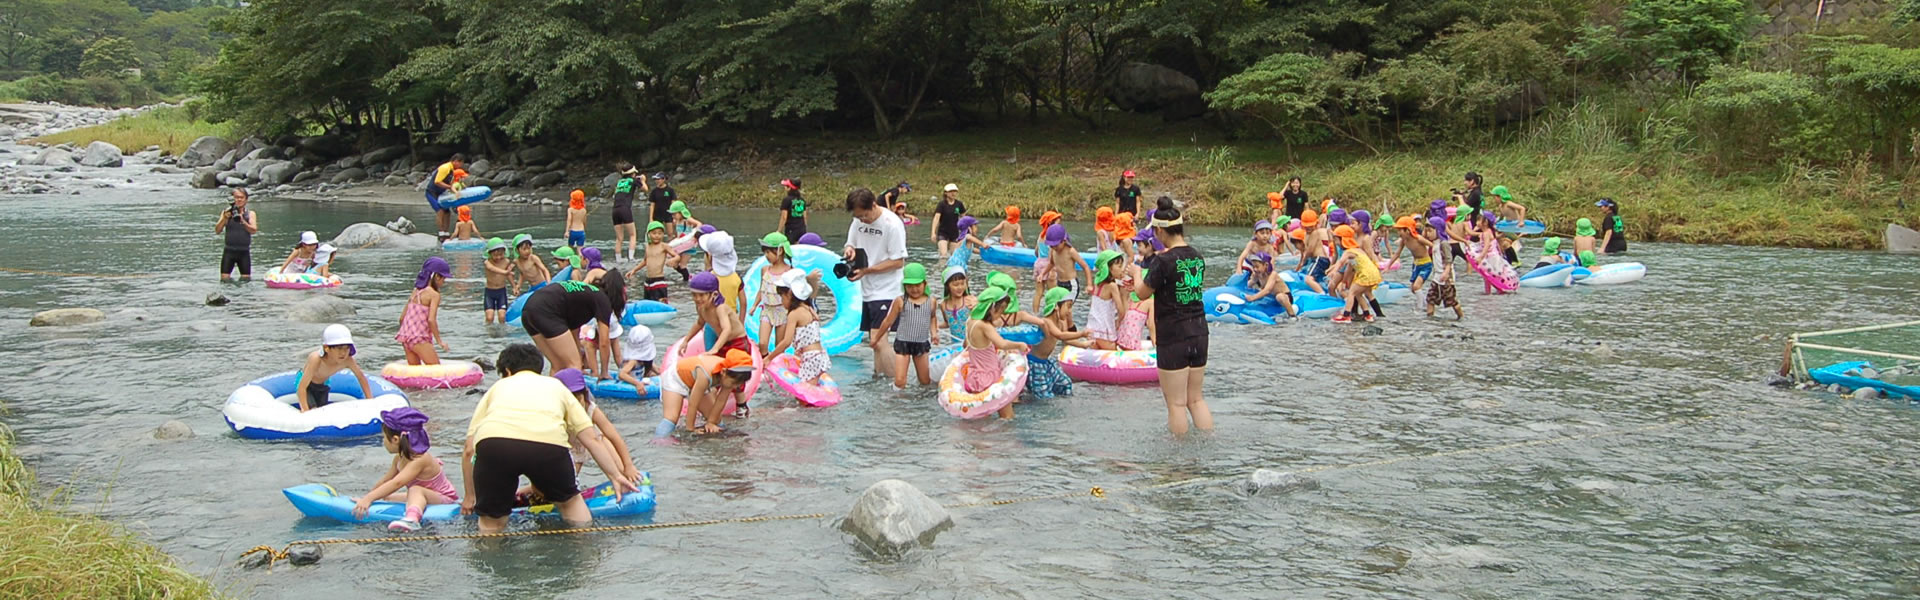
393 482
365 389
893 314
306 378
433 322
499 270
1240 262
783 336
603 455
618 443
1080 262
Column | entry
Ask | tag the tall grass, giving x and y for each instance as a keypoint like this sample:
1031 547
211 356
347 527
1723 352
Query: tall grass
46 552
170 128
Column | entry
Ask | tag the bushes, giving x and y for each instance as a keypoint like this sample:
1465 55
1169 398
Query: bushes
81 91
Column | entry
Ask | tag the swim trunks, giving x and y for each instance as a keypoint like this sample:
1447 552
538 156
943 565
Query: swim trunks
496 299
577 238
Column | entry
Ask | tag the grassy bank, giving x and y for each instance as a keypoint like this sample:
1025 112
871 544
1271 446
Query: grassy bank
47 552
170 128
1550 168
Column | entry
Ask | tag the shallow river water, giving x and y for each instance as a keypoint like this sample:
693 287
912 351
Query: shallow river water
1783 494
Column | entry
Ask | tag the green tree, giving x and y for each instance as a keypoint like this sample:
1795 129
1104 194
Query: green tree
293 63
1885 80
1684 37
108 57
1302 97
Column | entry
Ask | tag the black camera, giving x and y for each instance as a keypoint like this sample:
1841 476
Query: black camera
844 269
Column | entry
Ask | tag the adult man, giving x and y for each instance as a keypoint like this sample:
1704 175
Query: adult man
946 220
662 197
239 224
876 235
441 183
892 196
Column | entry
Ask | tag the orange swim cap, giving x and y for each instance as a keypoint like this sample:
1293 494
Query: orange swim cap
1348 243
1274 200
1048 218
577 199
1103 218
1298 234
1123 226
1013 214
466 213
1343 231
736 359
459 174
1309 218
1404 223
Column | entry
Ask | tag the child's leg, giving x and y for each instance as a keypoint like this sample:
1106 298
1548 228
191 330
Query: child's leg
425 352
921 363
900 364
412 358
418 497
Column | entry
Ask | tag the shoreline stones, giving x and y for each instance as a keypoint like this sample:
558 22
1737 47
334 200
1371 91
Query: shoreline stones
892 517
66 317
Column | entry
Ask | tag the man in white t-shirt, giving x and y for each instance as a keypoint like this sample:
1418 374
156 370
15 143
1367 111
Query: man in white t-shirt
724 262
878 234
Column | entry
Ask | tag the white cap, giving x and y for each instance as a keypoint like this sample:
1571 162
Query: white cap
337 335
307 238
796 281
953 187
323 253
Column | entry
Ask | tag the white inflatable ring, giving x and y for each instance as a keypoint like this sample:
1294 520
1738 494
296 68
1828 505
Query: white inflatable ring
265 409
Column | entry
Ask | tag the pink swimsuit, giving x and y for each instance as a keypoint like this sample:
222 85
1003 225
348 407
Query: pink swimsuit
413 324
1133 330
438 483
983 370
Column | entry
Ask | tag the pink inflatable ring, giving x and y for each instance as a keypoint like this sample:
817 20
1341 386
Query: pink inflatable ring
449 374
1111 366
973 405
785 370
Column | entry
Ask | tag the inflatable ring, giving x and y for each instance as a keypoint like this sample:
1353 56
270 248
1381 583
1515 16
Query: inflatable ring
652 313
265 409
838 334
684 243
321 500
1111 366
1023 333
1529 227
699 345
1015 256
449 374
785 369
1616 273
1549 276
450 200
465 245
520 302
968 405
299 281
615 387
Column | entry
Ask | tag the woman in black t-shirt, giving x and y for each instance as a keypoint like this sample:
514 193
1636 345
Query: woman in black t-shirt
1126 197
1174 281
554 315
1296 200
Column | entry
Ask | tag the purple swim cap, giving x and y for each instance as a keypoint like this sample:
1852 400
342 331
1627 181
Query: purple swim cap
1439 225
813 239
573 378
1337 216
412 425
434 266
1364 221
704 281
592 256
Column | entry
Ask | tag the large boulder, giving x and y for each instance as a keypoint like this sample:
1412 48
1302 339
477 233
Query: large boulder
327 146
383 155
893 516
63 317
1142 87
479 167
226 161
546 179
265 153
279 172
373 235
506 178
52 157
102 154
320 309
348 175
252 171
247 146
204 151
537 155
205 178
232 178
173 430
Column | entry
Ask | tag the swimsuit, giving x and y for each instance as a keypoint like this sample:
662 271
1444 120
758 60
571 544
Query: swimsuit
773 310
1045 379
982 370
438 483
413 323
318 394
496 299
814 362
1365 273
1101 317
656 289
957 321
1132 330
1422 269
577 237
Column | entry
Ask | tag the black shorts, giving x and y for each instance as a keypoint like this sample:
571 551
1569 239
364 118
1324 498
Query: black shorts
498 464
1186 353
496 299
318 394
623 215
911 348
543 318
873 313
243 259
656 289
953 236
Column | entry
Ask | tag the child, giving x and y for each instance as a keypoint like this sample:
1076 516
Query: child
577 219
1102 228
911 320
1009 229
1262 277
1495 266
1276 206
1509 209
683 221
659 255
1123 233
576 382
1615 228
1044 377
1549 253
1442 292
1422 251
1366 275
528 270
1315 255
983 344
957 303
301 258
637 355
969 243
565 258
590 259
1583 241
336 353
801 333
465 229
499 270
629 185
404 433
906 216
1103 311
1136 332
323 260
1066 266
773 311
703 383
714 317
1261 243
420 321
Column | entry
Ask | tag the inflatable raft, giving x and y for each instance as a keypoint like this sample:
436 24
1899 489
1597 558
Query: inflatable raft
299 281
1550 276
1614 274
321 500
785 370
838 333
449 374
1848 374
478 193
1111 366
1530 227
1016 256
520 302
466 245
265 408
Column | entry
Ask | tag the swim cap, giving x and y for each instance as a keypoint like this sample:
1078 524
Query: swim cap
1403 223
1310 218
679 208
1293 224
736 359
1123 226
592 256
1439 225
1013 214
411 424
1275 200
1501 191
1343 231
465 212
952 272
1298 234
705 229
524 238
459 174
577 196
775 240
1102 220
1001 280
1363 221
1384 220
1102 265
652 225
1057 235
1053 299
988 297
1348 243
433 266
1047 219
812 239
1584 227
575 381
496 244
1262 224
966 224
704 281
1337 216
913 273
795 281
1550 247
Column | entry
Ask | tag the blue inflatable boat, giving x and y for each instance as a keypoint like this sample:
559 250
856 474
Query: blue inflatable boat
321 500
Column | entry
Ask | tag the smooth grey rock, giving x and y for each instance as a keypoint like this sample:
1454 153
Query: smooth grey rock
1778 380
1268 482
347 175
306 176
204 151
227 160
402 225
148 156
507 178
537 155
303 555
348 162
395 180
479 167
205 178
1866 394
1143 87
173 430
607 183
373 235
1603 351
688 155
1869 373
546 179
1837 389
320 309
64 317
132 314
52 157
233 179
1371 330
326 145
384 155
264 153
279 172
247 167
650 158
893 516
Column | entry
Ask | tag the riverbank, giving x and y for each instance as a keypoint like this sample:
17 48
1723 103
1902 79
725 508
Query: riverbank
52 553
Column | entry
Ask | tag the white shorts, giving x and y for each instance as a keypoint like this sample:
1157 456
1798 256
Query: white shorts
670 383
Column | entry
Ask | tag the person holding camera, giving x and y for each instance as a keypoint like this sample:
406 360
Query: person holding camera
1471 195
239 225
876 250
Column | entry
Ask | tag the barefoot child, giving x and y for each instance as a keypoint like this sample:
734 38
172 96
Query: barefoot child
465 229
714 318
590 260
424 477
1422 251
1066 266
420 321
1262 277
654 268
703 384
1583 233
637 355
336 353
1123 233
969 244
1103 310
528 270
1102 228
1549 253
983 344
1366 275
955 305
1044 377
576 382
577 219
1315 256
1261 243
1442 291
301 258
911 319
1009 229
323 260
773 311
499 270
801 332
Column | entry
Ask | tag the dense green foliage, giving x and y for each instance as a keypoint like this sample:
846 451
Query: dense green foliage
105 52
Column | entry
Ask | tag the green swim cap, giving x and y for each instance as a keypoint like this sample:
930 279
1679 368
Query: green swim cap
988 297
1583 227
572 258
1053 299
774 240
913 273
1550 247
514 250
652 225
1102 263
1385 220
680 208
1587 258
1002 281
496 244
1501 191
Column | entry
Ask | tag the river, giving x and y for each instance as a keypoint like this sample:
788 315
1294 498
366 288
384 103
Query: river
1780 493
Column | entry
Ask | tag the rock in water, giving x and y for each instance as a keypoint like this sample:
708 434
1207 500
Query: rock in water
205 178
1602 351
217 299
546 179
349 174
892 516
303 555
1869 373
486 364
1371 330
1778 380
1866 394
207 326
63 317
173 430
1275 483
101 154
279 172
374 235
51 157
320 309
204 151
1142 87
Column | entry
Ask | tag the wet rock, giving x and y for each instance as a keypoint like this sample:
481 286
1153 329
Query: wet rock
1603 351
479 167
486 364
204 151
537 155
217 299
65 317
546 179
306 177
1381 559
1268 482
326 145
384 155
51 157
1143 87
207 326
320 309
395 180
1869 373
348 175
689 155
1866 394
303 555
102 154
226 161
173 430
1836 389
279 172
402 225
892 516
507 178
257 560
1371 330
1778 380
373 235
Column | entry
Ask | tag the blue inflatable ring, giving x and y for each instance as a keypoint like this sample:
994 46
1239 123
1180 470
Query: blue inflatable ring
265 409
838 334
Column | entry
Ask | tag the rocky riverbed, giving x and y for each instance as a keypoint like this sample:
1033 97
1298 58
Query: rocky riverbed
66 169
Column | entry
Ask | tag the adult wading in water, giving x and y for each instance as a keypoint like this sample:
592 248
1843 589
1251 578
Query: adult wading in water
1174 282
239 225
946 220
441 183
556 312
524 427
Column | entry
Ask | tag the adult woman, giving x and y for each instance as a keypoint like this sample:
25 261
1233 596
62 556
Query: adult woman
554 312
793 210
1174 283
523 427
239 225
